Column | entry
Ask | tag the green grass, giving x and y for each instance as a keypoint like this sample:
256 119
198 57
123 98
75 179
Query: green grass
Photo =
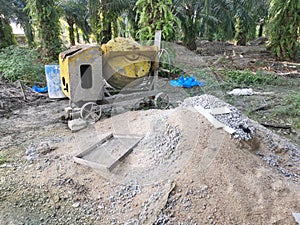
290 108
247 78
283 106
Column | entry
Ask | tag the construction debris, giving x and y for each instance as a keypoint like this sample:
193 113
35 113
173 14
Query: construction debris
77 124
247 91
212 119
239 91
16 95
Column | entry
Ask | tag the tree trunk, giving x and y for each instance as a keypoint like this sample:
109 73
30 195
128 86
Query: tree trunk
28 33
261 28
207 28
77 35
48 27
242 40
240 33
94 6
71 31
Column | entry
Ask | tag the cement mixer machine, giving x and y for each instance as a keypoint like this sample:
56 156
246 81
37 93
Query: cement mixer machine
94 77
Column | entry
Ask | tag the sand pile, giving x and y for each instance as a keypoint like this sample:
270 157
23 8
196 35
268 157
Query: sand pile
183 171
188 172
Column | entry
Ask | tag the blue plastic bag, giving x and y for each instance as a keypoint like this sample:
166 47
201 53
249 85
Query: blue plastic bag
39 89
186 82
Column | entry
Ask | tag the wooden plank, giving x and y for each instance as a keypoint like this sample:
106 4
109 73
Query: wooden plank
229 129
22 89
157 42
217 124
280 126
219 110
209 117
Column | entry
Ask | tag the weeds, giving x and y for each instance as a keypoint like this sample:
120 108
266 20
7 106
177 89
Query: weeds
290 108
247 78
21 63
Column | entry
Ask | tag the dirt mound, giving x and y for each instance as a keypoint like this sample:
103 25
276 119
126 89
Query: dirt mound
184 171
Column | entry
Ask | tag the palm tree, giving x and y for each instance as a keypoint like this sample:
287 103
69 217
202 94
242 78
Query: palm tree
188 13
191 14
75 13
16 10
110 11
93 7
45 15
155 15
6 35
236 18
248 13
284 28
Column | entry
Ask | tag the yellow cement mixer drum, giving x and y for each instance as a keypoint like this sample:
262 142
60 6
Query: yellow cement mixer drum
125 61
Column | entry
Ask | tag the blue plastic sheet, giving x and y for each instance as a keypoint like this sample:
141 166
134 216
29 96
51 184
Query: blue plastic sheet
39 89
186 82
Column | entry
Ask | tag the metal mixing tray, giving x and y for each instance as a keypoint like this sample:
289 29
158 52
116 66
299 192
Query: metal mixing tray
109 152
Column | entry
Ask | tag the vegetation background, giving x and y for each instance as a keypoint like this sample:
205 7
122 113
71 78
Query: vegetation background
179 20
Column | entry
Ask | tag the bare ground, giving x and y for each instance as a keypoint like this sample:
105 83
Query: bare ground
210 178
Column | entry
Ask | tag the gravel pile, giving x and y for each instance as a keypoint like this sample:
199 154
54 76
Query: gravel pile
156 156
185 199
280 155
235 119
40 205
162 143
124 195
121 201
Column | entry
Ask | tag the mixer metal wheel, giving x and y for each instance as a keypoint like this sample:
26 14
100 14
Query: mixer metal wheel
161 100
90 112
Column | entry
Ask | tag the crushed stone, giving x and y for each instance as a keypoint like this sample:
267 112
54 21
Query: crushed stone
162 143
244 130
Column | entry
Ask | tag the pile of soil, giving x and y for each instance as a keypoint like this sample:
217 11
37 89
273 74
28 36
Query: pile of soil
184 171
